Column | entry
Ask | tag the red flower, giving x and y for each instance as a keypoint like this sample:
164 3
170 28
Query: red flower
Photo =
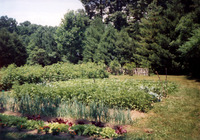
70 124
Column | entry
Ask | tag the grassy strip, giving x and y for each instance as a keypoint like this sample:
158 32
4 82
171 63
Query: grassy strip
177 117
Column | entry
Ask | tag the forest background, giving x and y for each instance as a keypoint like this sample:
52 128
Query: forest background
155 34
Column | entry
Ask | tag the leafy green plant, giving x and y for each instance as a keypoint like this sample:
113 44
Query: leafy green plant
115 67
72 134
55 131
57 72
46 129
20 127
129 68
91 130
79 129
108 132
40 130
20 121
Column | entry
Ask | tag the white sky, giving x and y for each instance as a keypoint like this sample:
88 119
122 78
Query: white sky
43 12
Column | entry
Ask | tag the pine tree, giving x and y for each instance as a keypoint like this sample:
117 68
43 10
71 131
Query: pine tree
93 35
191 53
152 50
106 48
124 47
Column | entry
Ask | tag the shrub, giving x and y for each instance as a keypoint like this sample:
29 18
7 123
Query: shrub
56 72
115 67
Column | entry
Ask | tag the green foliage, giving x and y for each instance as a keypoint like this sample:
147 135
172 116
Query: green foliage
108 132
70 36
79 129
11 49
105 43
8 23
124 47
115 67
146 32
152 38
55 128
129 66
93 35
111 92
91 130
191 52
60 127
106 48
56 72
119 19
18 121
42 48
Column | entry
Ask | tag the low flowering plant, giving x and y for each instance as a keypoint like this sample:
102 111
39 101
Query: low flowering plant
72 133
46 129
70 124
55 131
20 127
2 125
40 129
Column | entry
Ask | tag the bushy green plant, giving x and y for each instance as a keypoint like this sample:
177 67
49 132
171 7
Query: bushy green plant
108 132
20 121
55 126
91 130
112 93
115 67
3 100
56 72
79 129
129 68
55 131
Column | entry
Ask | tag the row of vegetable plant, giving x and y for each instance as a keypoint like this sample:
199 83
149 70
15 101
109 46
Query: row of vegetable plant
95 111
130 94
56 72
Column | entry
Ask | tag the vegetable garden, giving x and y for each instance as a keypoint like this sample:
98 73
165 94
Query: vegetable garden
81 91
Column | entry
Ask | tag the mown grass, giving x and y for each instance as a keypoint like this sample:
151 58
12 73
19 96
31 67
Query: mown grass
177 117
182 80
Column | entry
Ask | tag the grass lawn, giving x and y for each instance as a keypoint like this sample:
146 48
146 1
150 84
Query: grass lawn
176 117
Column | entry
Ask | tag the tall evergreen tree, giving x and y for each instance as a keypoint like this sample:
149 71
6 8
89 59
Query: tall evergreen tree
124 47
191 53
93 35
152 50
106 48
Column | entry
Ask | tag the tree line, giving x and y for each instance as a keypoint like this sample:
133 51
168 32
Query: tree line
155 34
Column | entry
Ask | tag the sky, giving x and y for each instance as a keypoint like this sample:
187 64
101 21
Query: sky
42 12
